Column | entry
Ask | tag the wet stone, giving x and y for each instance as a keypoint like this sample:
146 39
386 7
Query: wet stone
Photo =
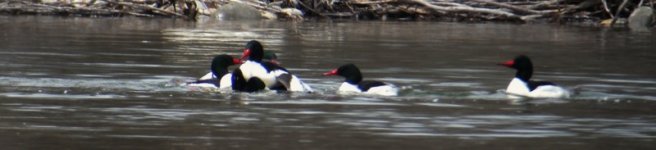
642 17
238 11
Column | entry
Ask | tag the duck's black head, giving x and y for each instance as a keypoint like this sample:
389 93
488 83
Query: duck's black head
270 56
253 51
221 63
523 65
348 71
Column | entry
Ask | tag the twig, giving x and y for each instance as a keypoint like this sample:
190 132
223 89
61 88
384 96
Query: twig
466 9
607 9
368 2
515 8
350 7
545 4
155 10
617 13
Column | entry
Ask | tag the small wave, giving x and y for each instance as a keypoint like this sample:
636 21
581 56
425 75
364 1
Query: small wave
319 102
60 96
41 54
156 83
441 105
490 135
56 128
133 65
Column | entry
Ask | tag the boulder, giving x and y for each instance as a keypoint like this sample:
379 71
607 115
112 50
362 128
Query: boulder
641 17
237 11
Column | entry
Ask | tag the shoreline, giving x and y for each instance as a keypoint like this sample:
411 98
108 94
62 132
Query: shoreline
512 11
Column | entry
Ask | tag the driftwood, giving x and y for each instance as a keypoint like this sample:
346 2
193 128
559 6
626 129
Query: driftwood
510 6
465 8
153 9
497 10
106 8
476 10
27 7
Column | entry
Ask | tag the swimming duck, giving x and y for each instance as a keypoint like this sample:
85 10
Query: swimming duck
270 74
521 85
219 68
269 56
355 84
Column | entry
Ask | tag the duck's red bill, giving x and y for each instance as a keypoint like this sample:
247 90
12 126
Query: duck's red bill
237 61
331 73
509 63
247 52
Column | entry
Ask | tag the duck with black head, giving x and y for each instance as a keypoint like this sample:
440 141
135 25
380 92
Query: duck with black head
271 75
354 82
221 78
522 85
269 56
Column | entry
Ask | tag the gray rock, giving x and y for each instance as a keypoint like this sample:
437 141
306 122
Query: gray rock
641 17
238 11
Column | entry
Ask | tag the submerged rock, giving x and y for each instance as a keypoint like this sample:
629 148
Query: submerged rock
642 17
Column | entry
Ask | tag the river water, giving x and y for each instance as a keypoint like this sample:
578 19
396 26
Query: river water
116 83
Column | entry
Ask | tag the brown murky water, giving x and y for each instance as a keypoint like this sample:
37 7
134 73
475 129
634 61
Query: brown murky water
114 83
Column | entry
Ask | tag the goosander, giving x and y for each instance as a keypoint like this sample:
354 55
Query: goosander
273 76
269 56
355 84
218 68
521 85
246 85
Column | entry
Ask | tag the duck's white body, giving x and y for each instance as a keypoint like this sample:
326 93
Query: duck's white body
207 76
253 69
224 83
518 88
384 90
296 85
